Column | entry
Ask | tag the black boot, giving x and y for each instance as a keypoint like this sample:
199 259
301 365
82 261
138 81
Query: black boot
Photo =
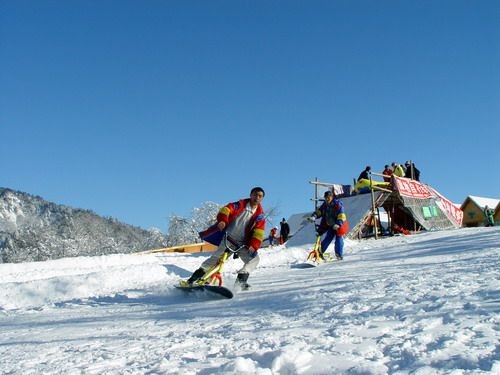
196 275
241 280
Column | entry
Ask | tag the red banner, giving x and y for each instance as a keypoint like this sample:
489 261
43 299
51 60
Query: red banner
411 188
414 189
453 211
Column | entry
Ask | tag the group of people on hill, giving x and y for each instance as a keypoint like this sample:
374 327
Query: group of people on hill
408 170
283 236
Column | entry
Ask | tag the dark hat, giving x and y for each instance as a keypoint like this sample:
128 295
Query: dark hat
328 193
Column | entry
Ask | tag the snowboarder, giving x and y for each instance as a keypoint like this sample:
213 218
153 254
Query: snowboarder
244 222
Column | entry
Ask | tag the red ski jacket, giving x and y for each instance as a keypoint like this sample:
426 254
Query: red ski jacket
254 231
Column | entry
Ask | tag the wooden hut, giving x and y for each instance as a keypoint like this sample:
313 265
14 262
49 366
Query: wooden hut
473 209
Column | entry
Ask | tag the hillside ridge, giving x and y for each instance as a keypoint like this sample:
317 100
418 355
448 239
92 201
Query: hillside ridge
34 229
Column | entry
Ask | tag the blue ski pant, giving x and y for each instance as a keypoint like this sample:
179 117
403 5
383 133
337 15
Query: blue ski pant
339 241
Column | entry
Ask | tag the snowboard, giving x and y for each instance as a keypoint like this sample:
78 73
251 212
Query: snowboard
216 291
307 265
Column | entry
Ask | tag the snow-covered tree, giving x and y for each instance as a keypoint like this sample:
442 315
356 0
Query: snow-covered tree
184 231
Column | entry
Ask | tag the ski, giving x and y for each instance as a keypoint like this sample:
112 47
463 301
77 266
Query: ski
220 291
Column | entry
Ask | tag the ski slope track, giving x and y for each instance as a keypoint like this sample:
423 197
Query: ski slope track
419 304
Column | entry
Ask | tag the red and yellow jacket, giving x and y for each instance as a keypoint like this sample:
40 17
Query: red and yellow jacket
254 231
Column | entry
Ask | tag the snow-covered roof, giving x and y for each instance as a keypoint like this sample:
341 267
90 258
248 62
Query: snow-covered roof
483 202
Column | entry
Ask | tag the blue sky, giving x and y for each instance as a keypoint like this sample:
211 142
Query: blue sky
144 109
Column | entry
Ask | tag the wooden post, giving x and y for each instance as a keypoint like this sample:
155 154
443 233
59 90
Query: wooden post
412 175
378 219
316 194
374 217
389 220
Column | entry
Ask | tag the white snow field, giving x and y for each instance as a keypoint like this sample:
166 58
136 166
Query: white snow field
421 304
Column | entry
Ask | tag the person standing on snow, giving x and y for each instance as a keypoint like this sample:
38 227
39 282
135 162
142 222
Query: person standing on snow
272 235
244 222
284 231
488 213
333 223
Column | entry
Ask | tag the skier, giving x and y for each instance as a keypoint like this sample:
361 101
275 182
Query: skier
333 223
244 222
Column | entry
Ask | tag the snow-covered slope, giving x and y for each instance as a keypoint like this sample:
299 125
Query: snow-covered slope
426 304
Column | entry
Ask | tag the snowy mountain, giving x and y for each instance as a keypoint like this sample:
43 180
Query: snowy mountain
32 229
421 304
